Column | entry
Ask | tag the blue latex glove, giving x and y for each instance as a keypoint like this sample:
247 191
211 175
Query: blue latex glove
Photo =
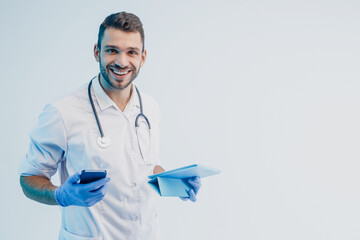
195 183
74 193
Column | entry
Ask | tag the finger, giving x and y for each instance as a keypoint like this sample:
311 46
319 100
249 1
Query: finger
195 181
195 184
102 190
74 178
192 195
96 184
94 201
184 198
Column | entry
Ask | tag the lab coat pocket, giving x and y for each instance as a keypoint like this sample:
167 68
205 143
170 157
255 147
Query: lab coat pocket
65 235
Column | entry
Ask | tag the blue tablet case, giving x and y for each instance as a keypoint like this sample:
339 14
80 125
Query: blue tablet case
173 183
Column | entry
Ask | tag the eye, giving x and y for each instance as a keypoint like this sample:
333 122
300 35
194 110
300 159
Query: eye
111 51
133 52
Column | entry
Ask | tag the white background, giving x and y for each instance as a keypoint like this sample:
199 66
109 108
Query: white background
266 91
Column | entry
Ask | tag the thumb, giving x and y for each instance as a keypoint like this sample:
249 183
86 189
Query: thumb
74 178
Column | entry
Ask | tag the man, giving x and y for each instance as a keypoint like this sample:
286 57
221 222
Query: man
94 128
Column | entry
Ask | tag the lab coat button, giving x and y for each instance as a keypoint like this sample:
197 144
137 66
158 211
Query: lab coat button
134 185
135 218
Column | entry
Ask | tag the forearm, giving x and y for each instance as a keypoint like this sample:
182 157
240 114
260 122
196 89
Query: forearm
158 169
39 189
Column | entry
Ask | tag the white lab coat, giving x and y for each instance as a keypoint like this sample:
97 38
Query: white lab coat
65 139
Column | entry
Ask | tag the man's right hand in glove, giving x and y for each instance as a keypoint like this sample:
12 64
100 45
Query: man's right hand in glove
86 195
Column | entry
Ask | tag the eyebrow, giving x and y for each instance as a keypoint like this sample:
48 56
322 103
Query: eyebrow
110 46
134 48
130 48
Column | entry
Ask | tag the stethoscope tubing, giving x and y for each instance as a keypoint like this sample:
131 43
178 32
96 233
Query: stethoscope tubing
94 110
141 114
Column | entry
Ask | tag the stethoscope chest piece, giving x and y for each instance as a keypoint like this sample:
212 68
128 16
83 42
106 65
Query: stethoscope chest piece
103 142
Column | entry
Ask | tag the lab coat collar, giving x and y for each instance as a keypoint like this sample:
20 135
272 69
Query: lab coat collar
105 101
134 100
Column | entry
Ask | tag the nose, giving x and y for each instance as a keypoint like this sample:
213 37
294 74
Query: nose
121 60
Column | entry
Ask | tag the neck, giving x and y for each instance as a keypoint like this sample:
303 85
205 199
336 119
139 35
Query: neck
120 97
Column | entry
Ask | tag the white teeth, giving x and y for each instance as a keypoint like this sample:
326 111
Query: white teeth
118 72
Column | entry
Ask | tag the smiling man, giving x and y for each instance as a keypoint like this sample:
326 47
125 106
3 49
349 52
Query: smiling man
121 55
106 125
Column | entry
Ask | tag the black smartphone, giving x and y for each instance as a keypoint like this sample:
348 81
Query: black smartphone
88 176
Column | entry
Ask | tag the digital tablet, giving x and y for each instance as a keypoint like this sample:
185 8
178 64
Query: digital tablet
195 170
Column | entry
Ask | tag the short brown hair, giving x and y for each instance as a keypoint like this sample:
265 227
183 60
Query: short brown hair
124 21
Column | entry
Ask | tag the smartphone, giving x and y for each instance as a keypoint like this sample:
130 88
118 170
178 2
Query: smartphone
88 176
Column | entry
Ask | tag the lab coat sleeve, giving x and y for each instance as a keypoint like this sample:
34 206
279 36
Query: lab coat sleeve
48 145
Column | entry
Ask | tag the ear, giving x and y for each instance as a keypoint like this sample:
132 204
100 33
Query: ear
96 52
143 57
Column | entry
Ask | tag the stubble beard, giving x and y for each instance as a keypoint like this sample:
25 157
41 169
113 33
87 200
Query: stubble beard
106 77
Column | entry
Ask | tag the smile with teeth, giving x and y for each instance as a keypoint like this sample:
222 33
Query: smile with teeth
119 72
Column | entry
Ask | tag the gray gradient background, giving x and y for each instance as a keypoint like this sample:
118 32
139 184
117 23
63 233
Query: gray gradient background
266 91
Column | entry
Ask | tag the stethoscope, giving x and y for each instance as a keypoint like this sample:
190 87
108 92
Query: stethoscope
105 142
